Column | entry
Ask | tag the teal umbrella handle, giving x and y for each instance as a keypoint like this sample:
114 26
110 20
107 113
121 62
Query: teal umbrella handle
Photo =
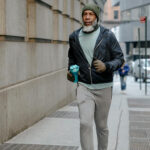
76 78
74 69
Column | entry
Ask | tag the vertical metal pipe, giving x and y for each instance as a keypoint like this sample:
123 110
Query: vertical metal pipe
139 46
145 55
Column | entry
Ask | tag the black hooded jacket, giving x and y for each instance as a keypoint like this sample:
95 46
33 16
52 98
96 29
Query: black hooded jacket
107 49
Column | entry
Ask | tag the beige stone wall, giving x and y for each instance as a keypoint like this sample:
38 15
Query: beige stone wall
33 60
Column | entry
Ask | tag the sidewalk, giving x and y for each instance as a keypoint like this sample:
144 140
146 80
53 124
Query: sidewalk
60 131
123 106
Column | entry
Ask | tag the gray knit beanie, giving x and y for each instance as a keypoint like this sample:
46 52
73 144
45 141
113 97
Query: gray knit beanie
93 7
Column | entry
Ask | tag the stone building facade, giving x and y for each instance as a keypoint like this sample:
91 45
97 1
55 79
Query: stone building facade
111 16
33 60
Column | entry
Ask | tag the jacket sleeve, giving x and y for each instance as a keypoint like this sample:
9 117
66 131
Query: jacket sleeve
71 57
117 57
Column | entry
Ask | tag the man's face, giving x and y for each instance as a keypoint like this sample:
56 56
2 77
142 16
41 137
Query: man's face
88 17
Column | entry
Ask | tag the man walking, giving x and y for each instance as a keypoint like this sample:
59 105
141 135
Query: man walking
123 72
97 53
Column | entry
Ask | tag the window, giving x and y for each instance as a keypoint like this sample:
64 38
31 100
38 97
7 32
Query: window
144 11
115 14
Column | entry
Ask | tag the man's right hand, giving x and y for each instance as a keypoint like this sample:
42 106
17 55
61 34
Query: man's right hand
70 77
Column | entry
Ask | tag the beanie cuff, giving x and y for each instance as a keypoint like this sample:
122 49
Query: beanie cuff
94 8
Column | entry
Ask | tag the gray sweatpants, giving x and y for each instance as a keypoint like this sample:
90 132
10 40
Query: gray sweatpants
93 105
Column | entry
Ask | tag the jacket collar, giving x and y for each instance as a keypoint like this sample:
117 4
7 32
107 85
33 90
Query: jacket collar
102 31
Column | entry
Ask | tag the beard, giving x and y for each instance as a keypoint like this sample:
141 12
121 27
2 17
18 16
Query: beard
89 29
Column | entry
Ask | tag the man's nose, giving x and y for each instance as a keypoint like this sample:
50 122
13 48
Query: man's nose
87 16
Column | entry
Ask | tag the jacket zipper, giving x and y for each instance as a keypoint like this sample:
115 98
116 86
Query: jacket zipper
90 66
90 74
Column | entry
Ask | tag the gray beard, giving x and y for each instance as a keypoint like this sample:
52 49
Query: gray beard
91 28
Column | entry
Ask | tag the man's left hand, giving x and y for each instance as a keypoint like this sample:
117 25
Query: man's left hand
99 66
